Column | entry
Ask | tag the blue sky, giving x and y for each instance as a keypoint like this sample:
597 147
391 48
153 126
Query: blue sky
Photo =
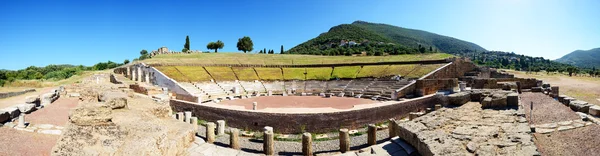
86 32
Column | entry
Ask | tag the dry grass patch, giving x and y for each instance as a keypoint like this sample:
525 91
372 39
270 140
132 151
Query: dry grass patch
318 73
373 71
194 73
294 73
245 73
269 73
172 72
423 70
345 72
221 73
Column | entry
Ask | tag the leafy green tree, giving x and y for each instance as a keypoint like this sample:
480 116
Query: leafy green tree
245 44
126 61
184 50
215 45
187 43
144 52
281 51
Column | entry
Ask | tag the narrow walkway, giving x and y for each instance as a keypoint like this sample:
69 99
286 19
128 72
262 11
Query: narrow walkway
559 130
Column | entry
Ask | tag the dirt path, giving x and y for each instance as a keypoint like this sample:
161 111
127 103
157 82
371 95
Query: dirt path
583 88
56 113
16 100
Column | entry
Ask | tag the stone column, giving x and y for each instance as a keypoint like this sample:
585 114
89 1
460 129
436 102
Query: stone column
210 132
194 122
518 87
270 93
133 74
220 127
254 105
268 128
372 134
128 74
234 139
344 140
180 116
147 77
139 74
21 121
187 116
392 128
199 98
554 91
268 141
307 144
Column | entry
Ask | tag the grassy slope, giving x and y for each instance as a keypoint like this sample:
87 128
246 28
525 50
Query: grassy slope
196 73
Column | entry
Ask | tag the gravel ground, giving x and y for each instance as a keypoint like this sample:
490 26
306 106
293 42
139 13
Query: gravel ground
295 148
545 109
15 142
56 113
579 141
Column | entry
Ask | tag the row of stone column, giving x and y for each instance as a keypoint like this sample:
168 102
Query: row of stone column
137 74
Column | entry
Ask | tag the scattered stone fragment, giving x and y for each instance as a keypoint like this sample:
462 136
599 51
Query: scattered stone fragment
458 99
91 114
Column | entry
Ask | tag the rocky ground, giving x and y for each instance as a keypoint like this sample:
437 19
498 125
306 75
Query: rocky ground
545 109
470 130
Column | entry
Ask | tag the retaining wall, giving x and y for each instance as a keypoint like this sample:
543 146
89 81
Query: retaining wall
310 122
11 94
492 83
431 86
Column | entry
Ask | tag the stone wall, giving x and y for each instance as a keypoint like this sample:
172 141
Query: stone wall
186 97
431 86
114 80
310 122
160 79
138 89
492 83
11 94
456 69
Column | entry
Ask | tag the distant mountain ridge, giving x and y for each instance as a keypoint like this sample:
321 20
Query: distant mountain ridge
361 32
582 58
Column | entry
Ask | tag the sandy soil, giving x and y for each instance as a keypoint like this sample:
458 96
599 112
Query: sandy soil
545 109
299 102
579 141
583 88
56 113
16 100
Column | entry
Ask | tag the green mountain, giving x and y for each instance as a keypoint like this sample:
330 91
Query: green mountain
381 37
582 58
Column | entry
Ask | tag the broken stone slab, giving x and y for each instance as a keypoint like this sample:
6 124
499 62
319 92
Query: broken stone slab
26 108
476 95
543 130
32 99
114 100
458 99
4 116
13 112
91 114
579 106
567 100
497 100
536 89
594 110
561 98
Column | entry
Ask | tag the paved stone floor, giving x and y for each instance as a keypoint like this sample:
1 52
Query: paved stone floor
471 130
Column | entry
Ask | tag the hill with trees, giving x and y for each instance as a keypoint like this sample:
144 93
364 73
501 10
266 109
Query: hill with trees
582 58
374 39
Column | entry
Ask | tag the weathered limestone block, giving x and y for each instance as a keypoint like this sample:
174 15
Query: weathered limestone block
567 100
234 139
594 110
536 89
579 106
476 95
512 99
46 99
210 132
546 85
187 116
91 114
26 108
115 100
13 112
458 99
561 98
497 100
268 143
372 134
32 99
509 86
554 91
4 116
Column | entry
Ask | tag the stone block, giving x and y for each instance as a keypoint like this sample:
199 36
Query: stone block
91 114
220 127
546 85
561 98
32 99
497 100
536 89
13 112
458 99
26 108
512 99
4 116
476 95
594 110
579 106
115 100
568 100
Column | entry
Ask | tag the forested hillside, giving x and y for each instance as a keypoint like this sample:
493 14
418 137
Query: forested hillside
583 58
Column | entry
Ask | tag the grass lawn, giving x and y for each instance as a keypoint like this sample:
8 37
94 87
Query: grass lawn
373 71
172 72
318 73
221 73
293 73
194 73
346 72
269 73
423 70
245 73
